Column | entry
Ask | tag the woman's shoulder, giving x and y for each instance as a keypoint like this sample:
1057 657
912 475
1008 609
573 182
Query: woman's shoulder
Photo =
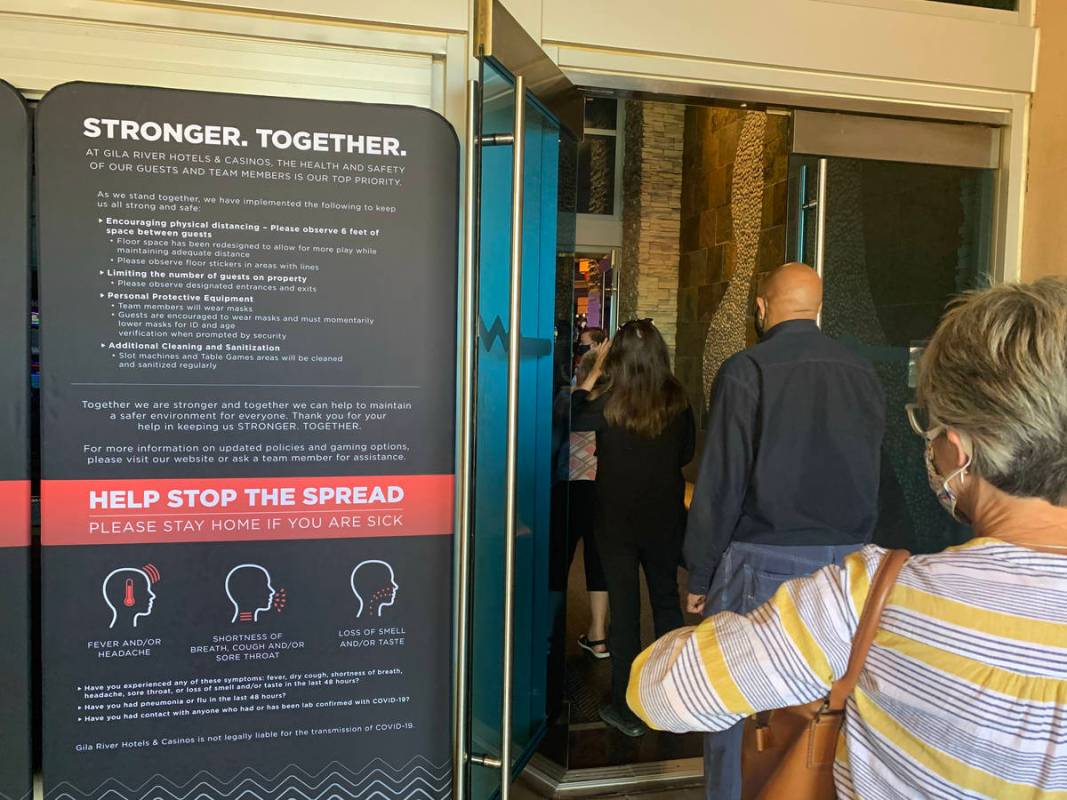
986 590
975 555
990 553
984 575
987 548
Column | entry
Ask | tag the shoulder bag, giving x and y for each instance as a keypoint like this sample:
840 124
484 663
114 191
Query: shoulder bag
788 754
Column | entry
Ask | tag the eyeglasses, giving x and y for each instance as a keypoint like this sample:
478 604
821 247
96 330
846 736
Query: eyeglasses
919 418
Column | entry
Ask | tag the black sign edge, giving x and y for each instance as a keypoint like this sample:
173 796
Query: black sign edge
8 89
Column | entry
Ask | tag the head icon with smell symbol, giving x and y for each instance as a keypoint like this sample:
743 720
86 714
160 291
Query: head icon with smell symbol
374 585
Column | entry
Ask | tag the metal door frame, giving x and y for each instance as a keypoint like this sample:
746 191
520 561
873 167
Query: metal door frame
500 37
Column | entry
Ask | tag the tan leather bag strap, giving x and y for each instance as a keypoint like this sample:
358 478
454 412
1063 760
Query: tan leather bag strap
870 620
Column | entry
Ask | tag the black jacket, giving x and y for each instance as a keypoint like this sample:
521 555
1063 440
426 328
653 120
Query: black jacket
792 454
640 485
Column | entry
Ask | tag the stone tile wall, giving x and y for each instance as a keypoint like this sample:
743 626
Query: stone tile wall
710 236
652 189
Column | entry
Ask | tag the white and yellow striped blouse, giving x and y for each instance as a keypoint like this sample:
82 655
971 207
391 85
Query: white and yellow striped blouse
964 694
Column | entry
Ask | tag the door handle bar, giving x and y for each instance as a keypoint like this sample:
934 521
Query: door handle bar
512 455
820 224
465 467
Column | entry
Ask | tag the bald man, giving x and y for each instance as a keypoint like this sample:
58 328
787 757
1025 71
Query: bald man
788 480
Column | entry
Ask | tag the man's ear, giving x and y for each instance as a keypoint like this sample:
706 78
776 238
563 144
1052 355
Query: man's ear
761 307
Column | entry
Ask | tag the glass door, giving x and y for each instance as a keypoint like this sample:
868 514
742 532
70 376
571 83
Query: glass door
595 290
895 242
514 453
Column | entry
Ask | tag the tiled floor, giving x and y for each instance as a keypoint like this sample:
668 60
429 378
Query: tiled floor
588 686
587 742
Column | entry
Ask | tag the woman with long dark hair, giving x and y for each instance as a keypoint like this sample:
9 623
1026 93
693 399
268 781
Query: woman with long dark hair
644 436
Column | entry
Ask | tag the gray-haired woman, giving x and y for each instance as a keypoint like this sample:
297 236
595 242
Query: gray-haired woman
964 693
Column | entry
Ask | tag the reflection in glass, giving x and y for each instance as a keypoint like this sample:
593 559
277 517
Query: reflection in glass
533 613
593 291
596 175
803 226
901 241
600 113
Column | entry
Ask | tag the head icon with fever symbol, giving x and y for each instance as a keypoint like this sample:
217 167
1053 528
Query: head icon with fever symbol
250 592
374 585
128 594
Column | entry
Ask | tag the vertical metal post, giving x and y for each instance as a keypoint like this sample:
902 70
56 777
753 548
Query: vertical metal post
511 474
604 294
820 225
465 467
802 211
612 293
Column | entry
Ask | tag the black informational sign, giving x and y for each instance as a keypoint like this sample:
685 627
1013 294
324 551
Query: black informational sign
248 429
15 737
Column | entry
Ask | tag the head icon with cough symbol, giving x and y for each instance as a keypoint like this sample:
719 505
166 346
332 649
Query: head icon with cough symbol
129 596
250 591
374 586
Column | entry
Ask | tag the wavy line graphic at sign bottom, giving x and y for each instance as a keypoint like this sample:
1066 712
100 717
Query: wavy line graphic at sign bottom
419 779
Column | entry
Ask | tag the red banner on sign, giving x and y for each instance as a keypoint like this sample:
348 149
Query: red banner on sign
244 509
14 513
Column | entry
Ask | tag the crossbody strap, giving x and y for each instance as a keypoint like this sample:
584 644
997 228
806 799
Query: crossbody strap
870 620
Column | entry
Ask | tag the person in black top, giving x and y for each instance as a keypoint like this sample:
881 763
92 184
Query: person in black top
644 436
788 480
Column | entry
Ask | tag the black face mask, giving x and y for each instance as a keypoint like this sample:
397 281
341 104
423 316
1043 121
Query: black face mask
758 319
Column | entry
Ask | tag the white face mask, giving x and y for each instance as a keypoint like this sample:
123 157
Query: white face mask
942 487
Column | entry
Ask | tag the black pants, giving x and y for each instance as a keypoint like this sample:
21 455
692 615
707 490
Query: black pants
621 555
582 517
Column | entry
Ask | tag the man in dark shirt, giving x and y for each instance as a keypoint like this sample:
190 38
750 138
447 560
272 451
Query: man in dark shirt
788 481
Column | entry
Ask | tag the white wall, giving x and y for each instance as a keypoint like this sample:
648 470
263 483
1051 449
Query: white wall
38 53
448 15
528 14
897 40
975 50
1045 240
892 57
898 57
178 44
908 40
